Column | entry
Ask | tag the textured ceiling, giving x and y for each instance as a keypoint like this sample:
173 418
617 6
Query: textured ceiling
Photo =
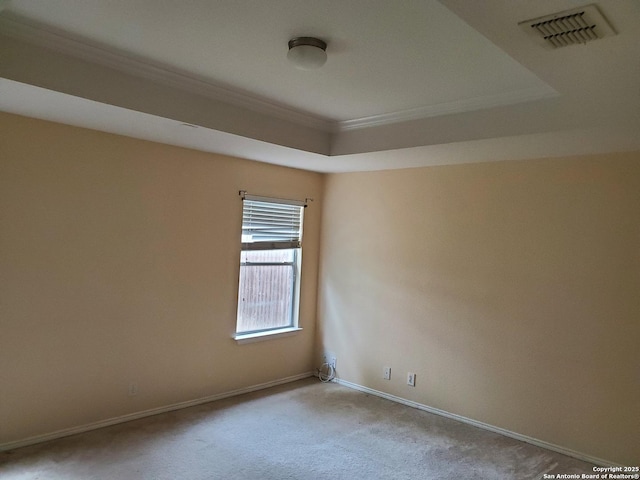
430 81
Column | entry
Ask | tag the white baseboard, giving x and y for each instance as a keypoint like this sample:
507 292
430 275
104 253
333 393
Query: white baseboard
485 426
147 413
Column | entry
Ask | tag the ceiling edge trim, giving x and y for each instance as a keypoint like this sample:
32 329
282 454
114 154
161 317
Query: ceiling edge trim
448 108
21 29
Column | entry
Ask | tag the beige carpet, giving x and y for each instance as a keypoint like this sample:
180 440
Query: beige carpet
303 430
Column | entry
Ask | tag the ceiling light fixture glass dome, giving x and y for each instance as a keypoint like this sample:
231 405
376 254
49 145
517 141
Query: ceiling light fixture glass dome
307 53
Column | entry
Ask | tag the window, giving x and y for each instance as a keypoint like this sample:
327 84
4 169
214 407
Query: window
270 262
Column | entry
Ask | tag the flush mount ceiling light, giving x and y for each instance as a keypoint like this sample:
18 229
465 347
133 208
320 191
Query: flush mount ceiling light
307 53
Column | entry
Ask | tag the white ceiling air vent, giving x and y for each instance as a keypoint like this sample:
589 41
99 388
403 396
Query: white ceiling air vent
571 27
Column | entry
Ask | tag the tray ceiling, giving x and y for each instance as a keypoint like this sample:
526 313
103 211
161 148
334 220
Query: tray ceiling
400 76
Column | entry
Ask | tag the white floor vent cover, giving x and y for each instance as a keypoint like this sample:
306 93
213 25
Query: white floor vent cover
570 27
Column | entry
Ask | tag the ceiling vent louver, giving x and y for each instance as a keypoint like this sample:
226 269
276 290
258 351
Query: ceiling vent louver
570 27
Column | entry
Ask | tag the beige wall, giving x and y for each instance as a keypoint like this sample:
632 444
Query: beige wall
119 263
512 290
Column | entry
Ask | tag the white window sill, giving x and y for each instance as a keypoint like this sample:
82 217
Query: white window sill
268 335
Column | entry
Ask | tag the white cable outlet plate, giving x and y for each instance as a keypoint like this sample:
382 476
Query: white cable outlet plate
386 373
330 358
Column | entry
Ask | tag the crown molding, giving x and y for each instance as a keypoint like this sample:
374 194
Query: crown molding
448 108
19 28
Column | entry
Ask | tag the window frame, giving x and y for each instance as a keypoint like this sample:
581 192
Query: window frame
270 245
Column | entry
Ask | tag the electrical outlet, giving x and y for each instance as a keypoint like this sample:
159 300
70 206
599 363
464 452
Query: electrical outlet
411 379
386 373
133 389
330 358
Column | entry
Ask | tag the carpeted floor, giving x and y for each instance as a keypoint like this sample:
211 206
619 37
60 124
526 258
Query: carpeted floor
303 430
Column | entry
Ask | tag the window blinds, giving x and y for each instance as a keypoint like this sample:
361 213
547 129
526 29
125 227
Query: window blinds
270 224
